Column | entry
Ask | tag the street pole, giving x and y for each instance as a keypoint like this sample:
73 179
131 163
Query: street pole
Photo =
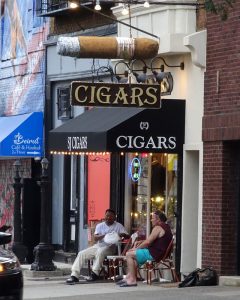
44 252
18 248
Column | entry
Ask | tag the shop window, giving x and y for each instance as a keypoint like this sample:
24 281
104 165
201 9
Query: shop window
63 103
151 186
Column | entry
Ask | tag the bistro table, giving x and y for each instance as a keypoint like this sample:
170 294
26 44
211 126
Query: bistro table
117 261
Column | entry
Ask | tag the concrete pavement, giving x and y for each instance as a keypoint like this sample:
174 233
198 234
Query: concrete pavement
58 290
49 287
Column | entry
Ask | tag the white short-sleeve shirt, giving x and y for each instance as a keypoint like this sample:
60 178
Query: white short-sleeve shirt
103 228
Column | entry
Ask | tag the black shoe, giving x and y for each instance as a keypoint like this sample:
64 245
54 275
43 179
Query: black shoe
72 280
93 277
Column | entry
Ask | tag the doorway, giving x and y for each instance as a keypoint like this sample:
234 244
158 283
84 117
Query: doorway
71 197
152 182
152 185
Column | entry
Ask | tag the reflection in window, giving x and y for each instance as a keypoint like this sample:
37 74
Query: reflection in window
155 189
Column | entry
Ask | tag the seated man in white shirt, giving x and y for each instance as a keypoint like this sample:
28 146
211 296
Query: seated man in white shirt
100 250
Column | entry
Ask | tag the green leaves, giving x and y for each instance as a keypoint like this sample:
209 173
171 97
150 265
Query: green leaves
221 8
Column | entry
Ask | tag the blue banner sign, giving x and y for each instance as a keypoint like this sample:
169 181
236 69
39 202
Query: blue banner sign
22 135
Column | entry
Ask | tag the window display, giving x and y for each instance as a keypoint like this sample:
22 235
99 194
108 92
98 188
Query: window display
152 184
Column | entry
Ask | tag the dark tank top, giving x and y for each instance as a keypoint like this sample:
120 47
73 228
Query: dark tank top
159 246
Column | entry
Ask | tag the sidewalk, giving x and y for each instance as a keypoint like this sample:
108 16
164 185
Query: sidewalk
58 290
52 286
64 270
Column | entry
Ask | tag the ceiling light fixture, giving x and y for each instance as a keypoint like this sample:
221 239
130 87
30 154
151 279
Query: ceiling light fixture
142 77
125 10
97 6
165 80
72 4
146 4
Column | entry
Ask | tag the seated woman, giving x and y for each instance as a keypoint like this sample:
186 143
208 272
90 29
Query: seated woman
153 248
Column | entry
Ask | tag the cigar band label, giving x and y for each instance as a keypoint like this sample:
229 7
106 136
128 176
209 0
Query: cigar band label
125 48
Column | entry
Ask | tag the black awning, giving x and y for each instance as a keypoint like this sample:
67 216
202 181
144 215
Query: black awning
123 130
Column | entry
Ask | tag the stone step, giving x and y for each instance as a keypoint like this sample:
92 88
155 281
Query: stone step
64 257
229 280
62 269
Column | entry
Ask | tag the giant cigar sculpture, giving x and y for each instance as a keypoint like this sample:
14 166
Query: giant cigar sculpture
107 47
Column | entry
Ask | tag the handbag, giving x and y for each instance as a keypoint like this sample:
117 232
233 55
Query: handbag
200 277
189 280
207 276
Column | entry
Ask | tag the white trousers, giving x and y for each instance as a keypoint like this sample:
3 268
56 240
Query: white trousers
94 252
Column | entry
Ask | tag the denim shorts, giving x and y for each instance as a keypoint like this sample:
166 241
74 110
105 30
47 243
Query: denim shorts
142 255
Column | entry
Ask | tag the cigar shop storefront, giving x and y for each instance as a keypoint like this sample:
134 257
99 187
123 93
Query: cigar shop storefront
129 159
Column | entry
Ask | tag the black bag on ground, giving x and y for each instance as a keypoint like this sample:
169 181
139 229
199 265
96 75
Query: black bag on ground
189 280
207 276
200 277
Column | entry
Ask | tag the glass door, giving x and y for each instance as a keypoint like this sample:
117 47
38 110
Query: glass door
152 185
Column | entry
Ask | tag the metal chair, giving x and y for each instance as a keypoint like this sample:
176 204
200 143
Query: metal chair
104 272
166 263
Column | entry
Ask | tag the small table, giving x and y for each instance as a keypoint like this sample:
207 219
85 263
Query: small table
116 261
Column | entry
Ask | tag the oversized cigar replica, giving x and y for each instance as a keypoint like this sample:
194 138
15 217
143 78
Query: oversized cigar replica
107 47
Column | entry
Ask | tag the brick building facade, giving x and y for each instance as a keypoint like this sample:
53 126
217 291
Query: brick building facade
221 138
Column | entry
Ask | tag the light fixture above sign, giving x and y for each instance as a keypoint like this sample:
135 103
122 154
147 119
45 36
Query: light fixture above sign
129 87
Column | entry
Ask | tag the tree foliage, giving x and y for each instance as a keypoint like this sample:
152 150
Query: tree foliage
220 8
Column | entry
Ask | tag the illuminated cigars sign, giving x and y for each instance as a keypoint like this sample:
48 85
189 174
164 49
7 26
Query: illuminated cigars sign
141 142
115 95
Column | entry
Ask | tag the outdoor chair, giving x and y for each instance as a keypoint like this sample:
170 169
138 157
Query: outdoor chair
158 268
104 272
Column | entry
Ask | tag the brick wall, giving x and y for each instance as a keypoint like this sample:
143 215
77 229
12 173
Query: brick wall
201 17
223 46
221 135
220 194
212 205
